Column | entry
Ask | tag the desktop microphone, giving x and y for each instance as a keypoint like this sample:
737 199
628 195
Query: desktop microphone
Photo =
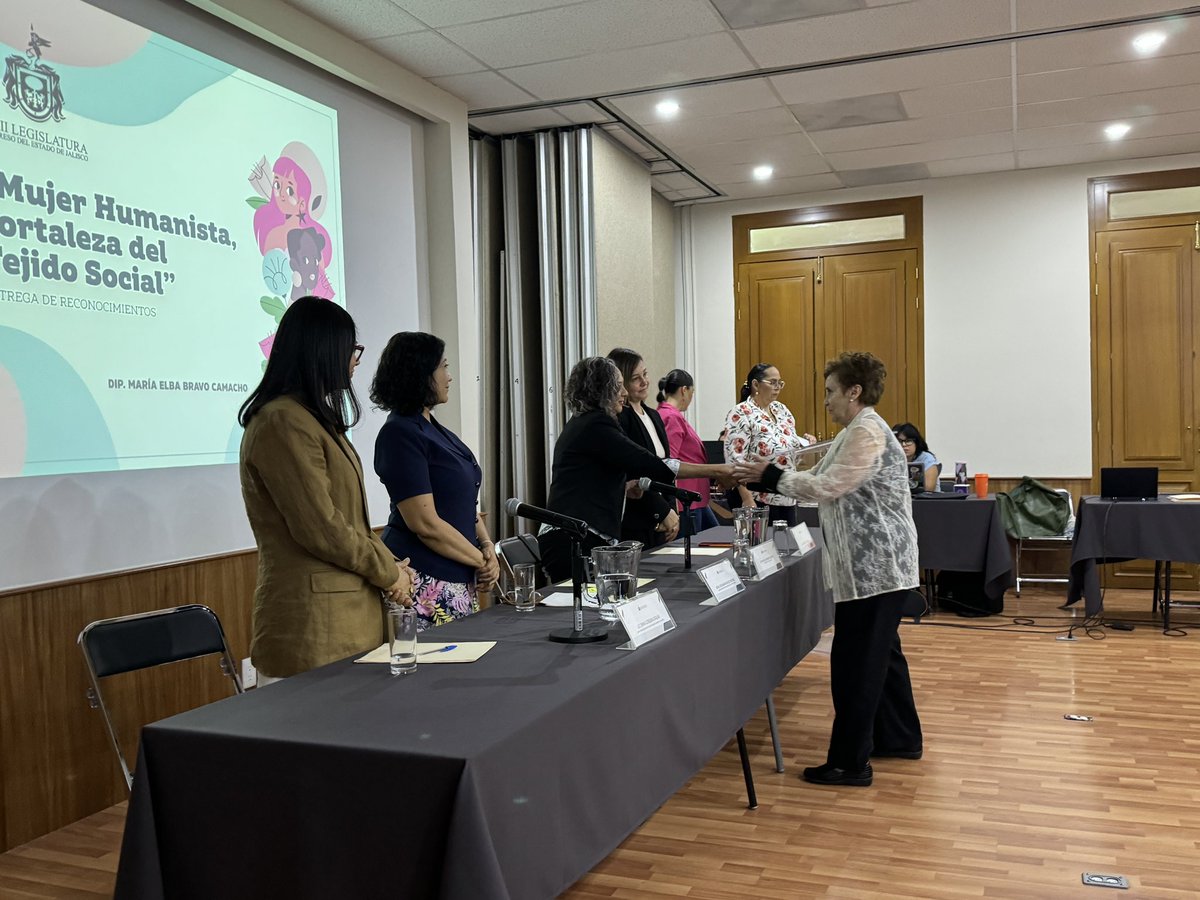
515 507
669 490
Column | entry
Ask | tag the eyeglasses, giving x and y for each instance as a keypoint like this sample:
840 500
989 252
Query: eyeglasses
906 442
775 382
358 352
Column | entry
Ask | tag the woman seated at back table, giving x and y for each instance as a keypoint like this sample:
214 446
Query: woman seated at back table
917 451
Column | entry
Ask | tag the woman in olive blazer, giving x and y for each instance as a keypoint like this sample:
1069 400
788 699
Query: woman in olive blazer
321 568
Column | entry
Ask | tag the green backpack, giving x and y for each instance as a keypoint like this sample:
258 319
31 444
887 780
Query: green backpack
1033 510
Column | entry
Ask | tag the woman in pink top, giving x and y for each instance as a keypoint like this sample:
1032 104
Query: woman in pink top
675 392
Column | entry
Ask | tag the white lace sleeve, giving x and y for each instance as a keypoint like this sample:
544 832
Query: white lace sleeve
849 465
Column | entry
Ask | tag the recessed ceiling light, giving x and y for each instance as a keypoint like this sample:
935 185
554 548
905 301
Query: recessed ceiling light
1149 42
1116 131
667 108
762 173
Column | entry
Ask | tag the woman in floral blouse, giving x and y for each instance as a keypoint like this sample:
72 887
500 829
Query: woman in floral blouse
761 429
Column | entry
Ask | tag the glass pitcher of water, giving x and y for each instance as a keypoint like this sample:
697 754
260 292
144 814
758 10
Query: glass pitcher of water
614 570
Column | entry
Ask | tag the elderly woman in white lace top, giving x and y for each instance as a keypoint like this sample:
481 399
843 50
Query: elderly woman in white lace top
861 487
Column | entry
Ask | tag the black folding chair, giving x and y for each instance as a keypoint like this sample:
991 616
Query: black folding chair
142 641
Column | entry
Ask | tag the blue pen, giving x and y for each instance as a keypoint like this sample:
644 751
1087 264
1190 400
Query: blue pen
445 649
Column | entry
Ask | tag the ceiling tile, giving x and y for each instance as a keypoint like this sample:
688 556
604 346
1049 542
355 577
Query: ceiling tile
785 167
601 26
850 113
1034 14
675 181
746 13
694 132
1093 132
1108 107
361 19
630 140
786 150
976 145
958 98
517 122
1109 150
910 73
436 13
484 90
606 73
584 113
427 53
972 165
915 131
1114 78
1108 45
696 102
916 24
885 175
779 187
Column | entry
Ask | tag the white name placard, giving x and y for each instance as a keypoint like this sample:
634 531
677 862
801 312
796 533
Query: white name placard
722 581
766 559
804 540
645 617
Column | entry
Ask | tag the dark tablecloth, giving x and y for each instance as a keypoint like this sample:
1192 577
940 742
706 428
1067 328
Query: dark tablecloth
505 778
1114 531
964 535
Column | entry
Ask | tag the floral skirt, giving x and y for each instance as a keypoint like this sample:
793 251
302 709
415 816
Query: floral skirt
438 602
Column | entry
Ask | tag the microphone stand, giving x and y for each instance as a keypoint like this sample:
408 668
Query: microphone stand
577 634
688 525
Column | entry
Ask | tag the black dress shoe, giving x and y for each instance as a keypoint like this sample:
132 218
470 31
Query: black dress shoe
830 774
897 754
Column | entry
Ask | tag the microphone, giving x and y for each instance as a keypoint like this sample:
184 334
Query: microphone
515 507
669 490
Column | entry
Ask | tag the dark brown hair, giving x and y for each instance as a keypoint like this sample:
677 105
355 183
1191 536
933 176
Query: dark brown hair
863 369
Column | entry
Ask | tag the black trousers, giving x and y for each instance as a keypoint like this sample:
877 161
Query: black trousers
872 695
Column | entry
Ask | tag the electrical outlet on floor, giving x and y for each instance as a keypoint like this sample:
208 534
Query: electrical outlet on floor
249 674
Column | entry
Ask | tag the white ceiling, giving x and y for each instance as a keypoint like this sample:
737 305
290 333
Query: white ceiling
830 93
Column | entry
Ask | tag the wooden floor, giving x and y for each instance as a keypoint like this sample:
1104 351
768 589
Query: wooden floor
1011 799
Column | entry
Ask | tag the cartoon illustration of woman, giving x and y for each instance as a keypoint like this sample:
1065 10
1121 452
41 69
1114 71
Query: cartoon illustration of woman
295 192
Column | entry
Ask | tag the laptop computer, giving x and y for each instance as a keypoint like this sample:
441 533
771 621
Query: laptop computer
1129 483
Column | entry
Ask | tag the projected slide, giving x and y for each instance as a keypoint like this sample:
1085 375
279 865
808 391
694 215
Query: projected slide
159 210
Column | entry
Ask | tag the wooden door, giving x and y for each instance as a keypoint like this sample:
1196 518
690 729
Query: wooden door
870 304
1148 294
775 325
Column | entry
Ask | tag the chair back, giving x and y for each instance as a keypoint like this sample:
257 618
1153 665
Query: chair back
142 641
515 551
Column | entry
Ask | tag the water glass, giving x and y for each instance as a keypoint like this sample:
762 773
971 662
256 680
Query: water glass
402 637
750 524
524 597
615 573
782 537
613 589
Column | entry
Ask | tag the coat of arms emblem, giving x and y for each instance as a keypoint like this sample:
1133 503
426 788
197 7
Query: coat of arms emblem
30 85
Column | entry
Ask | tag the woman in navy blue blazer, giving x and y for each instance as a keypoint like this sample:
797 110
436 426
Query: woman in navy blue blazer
432 479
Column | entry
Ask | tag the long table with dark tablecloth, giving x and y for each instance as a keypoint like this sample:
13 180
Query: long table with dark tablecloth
509 777
959 535
1115 531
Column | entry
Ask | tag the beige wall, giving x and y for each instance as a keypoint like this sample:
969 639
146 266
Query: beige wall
634 246
1006 289
667 354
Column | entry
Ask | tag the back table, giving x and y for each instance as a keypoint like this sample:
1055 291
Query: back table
509 777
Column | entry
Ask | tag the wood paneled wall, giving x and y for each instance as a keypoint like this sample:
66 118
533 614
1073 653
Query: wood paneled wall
56 765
